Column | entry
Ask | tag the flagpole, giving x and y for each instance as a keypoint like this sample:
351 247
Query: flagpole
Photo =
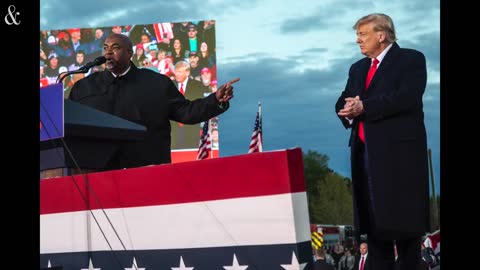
256 140
211 139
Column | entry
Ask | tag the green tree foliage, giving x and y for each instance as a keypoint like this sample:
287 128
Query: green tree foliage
329 194
315 169
335 202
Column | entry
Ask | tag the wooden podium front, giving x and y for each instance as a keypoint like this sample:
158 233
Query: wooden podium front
224 213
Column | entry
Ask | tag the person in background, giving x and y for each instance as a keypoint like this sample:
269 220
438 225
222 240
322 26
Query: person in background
139 55
79 62
152 54
361 261
194 68
51 70
186 136
117 29
206 57
43 78
177 52
347 261
214 138
319 263
208 34
167 67
193 42
206 77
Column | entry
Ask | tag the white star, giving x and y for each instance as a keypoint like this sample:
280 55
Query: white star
235 265
294 265
134 266
182 266
90 266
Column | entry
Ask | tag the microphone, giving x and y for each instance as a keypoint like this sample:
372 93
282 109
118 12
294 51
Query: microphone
97 62
84 69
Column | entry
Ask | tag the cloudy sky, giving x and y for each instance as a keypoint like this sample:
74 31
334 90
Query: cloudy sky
293 56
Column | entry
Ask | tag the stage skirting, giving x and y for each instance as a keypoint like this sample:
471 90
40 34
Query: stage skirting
240 212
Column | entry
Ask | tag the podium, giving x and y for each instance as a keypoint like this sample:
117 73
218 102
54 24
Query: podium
92 137
249 210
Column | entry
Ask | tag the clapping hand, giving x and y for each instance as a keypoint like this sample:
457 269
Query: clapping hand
353 108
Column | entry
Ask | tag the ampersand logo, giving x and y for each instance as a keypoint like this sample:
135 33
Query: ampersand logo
11 17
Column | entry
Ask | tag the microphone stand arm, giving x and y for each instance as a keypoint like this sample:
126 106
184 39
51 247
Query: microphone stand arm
64 75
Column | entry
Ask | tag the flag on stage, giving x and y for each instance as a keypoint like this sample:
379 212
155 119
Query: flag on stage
205 142
433 241
256 140
162 31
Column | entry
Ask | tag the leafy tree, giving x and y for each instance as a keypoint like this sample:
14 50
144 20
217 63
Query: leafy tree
315 171
335 201
329 194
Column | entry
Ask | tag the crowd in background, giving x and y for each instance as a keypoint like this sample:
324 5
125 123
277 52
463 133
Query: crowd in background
158 46
346 255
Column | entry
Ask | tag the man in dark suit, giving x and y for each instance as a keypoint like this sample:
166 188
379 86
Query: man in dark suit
320 263
186 136
382 104
146 98
361 261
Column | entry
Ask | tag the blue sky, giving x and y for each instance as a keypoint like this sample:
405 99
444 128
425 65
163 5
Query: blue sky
293 56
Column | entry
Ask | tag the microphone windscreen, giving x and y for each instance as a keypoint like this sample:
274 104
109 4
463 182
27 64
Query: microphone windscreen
100 60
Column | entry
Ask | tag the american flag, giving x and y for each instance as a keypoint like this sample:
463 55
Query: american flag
256 140
205 142
163 30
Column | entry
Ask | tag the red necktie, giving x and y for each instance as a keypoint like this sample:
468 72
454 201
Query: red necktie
183 93
181 89
362 262
370 74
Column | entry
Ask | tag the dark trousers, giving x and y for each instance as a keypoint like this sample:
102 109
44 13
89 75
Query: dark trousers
409 254
381 254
